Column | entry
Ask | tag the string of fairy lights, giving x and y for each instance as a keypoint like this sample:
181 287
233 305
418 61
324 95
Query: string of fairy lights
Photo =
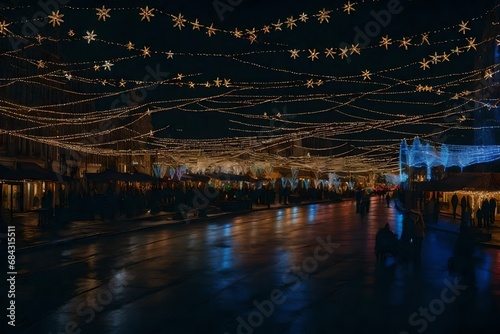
360 108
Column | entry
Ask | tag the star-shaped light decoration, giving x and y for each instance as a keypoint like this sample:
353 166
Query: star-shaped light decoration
277 25
367 75
210 30
146 52
103 13
355 49
425 39
104 82
237 33
290 23
227 82
146 13
324 15
122 83
349 7
313 54
41 64
3 27
294 53
71 33
472 44
39 38
435 58
107 65
456 50
252 38
463 27
456 96
405 43
266 29
217 82
445 57
303 17
208 84
498 42
196 25
191 84
419 88
179 21
179 76
170 54
56 18
130 46
385 42
68 76
424 64
319 82
488 74
343 52
97 68
330 53
310 83
252 35
90 36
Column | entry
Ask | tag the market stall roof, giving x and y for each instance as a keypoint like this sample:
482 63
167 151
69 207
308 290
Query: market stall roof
33 171
111 175
7 174
463 181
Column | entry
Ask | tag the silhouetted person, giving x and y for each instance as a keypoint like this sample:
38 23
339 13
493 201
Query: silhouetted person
463 261
463 205
359 197
479 216
493 208
454 204
418 236
388 199
486 212
466 219
287 192
362 208
366 201
385 242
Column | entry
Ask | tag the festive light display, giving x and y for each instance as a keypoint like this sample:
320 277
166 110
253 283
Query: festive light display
418 155
360 106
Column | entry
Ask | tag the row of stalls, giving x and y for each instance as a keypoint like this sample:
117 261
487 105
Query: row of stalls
475 188
22 189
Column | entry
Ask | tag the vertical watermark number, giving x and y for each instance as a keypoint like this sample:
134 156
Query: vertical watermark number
11 275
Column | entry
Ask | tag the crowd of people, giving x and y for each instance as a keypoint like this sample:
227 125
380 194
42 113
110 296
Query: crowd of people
484 215
113 200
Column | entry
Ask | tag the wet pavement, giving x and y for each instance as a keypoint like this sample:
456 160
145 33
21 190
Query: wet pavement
303 269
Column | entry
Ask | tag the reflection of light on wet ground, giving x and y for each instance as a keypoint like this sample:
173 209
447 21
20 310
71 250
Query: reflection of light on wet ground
227 229
293 216
483 271
312 213
227 258
398 224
